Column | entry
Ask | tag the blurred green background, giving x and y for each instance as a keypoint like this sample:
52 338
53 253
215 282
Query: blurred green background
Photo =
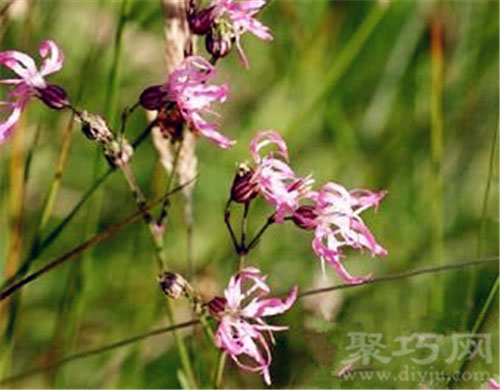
362 98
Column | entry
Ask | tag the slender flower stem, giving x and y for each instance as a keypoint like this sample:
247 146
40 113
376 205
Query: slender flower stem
122 343
221 362
140 199
244 225
170 181
227 221
259 234
126 115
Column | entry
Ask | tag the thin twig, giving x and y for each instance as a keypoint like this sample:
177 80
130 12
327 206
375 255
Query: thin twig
110 231
403 275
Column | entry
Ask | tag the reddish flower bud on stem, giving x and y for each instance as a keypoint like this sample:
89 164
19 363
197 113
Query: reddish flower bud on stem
305 217
54 96
153 98
243 189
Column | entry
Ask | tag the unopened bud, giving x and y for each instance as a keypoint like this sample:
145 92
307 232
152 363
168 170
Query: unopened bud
95 127
153 98
173 285
244 189
217 305
54 96
118 152
200 22
305 217
218 44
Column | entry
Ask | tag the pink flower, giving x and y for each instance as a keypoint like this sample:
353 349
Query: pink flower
334 215
30 82
241 16
493 385
241 325
227 20
188 87
273 178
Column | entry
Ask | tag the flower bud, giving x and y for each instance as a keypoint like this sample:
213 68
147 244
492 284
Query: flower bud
95 127
173 285
217 305
217 43
200 22
153 98
54 96
305 217
118 152
243 189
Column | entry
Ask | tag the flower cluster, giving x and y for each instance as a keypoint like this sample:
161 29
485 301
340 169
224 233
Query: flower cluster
185 103
332 211
187 97
241 331
30 83
224 22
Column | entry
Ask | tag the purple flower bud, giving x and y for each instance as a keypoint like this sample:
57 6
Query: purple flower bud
200 22
172 284
153 98
305 217
54 96
217 305
243 189
218 44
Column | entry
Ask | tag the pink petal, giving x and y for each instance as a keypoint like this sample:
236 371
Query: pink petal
264 138
272 306
367 238
20 63
8 125
333 257
53 57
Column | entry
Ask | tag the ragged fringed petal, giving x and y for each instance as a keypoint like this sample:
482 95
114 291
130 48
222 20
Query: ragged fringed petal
209 131
264 138
30 83
331 255
21 64
270 307
8 125
241 328
53 57
365 199
362 236
188 87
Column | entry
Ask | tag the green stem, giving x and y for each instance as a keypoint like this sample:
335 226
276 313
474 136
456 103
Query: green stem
221 363
181 348
477 326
